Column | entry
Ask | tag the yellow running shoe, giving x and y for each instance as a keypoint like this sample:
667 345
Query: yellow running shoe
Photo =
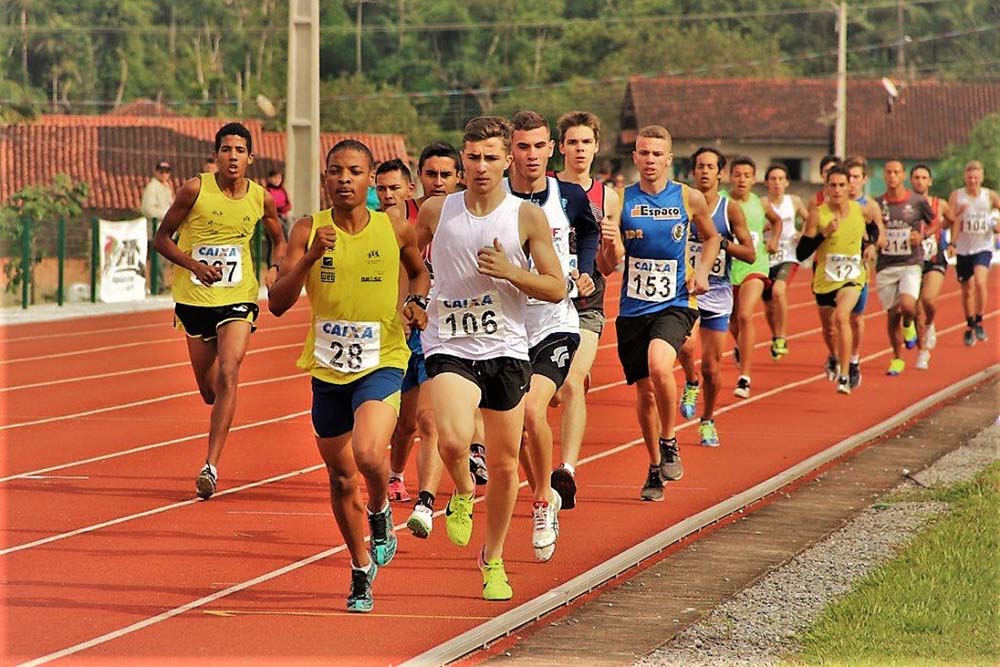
496 588
458 519
896 367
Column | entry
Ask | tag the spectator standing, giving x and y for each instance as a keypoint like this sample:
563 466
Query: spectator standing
276 186
157 197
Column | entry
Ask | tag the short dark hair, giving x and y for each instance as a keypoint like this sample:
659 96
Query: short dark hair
921 166
273 172
837 169
742 159
828 159
708 149
776 165
855 161
439 149
482 128
351 145
525 121
233 130
573 119
394 165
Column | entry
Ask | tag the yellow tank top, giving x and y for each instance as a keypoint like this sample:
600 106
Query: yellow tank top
217 231
838 259
353 290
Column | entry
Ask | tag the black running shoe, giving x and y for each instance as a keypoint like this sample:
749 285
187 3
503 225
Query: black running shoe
854 374
832 368
564 484
652 490
359 600
671 468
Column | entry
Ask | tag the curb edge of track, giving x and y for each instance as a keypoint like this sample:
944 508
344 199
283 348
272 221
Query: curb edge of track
481 636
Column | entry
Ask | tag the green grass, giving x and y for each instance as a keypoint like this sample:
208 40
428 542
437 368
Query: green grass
936 603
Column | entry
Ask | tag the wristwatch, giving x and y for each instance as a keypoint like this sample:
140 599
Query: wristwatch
724 243
418 299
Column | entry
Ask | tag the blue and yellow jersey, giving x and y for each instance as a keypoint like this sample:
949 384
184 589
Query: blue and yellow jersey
655 230
353 291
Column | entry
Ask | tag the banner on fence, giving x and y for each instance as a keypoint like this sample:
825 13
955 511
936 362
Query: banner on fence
123 260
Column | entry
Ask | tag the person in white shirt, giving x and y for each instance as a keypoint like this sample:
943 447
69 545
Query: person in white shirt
157 197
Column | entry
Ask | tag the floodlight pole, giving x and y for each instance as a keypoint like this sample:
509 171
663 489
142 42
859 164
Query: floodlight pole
302 164
840 130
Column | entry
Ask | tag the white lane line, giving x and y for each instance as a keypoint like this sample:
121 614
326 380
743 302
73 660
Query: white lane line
56 477
296 565
145 448
133 371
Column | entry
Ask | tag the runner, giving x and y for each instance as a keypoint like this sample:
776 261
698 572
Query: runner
348 258
972 240
475 343
658 306
215 288
935 265
716 305
579 142
908 219
783 264
857 178
553 328
835 232
749 280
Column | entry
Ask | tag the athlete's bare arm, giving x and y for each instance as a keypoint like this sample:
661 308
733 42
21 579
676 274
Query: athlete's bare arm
298 260
611 252
710 240
427 221
273 227
743 249
872 213
416 271
800 208
549 284
164 242
776 224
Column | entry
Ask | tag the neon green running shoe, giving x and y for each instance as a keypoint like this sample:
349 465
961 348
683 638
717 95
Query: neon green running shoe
458 519
910 336
689 399
896 367
496 588
709 436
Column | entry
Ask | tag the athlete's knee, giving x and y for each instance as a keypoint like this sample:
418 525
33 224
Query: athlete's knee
369 457
425 424
646 397
778 289
207 393
342 483
228 375
535 419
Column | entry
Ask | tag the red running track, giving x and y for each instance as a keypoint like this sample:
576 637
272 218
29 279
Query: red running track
105 555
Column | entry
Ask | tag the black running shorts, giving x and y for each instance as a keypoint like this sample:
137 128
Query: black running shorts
672 325
553 355
204 321
502 381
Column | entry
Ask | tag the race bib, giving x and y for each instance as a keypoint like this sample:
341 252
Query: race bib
652 279
897 242
694 258
840 268
784 253
227 258
930 245
572 264
479 317
347 347
975 225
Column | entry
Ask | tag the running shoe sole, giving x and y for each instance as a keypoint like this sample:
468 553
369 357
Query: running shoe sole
564 484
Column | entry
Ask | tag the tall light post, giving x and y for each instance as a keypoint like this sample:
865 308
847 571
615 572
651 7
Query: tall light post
302 143
840 129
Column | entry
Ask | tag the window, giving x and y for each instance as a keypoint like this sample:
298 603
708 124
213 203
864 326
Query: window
795 166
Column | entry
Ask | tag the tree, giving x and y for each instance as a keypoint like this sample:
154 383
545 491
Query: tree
983 145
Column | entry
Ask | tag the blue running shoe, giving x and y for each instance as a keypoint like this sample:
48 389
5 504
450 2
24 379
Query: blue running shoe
382 546
689 400
709 436
359 600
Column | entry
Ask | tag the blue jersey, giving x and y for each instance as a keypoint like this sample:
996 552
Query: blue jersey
655 231
719 297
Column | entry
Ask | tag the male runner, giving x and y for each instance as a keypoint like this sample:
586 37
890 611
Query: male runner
908 219
475 342
348 258
835 231
716 305
553 328
972 240
658 306
214 287
934 267
783 264
579 142
749 280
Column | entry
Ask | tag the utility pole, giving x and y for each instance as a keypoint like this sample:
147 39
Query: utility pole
357 37
302 169
901 47
840 131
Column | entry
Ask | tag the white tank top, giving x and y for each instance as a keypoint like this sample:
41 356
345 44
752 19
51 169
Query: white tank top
543 317
471 315
975 224
786 244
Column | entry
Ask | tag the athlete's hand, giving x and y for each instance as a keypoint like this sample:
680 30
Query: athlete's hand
950 250
698 283
584 283
870 254
325 239
609 230
270 276
493 261
206 274
916 238
831 228
414 317
772 246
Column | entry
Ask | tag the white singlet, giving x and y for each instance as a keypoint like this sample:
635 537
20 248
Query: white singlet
542 317
471 315
786 244
975 224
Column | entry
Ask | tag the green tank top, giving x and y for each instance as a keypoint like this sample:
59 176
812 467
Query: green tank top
753 211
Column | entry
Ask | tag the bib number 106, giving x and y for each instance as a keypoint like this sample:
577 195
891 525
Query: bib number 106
470 323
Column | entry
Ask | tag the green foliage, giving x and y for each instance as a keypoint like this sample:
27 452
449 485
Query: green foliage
38 205
936 604
983 145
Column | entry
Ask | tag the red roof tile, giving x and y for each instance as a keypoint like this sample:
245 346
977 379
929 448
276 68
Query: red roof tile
927 117
143 107
116 155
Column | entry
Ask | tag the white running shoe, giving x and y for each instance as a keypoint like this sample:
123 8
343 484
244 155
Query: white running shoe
421 521
930 337
550 522
923 360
